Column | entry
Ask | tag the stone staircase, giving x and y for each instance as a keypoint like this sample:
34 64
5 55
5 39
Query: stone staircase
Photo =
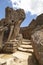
20 57
26 46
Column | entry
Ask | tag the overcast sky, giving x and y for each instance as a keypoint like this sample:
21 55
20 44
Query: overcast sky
32 8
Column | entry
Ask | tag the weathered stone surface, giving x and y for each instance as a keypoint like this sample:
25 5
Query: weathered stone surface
37 44
10 47
2 29
32 60
11 23
12 20
11 40
36 30
25 32
16 17
35 23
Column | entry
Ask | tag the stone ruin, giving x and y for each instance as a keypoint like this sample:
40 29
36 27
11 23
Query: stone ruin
10 32
9 29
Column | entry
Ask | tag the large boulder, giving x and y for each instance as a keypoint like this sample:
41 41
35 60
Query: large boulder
37 39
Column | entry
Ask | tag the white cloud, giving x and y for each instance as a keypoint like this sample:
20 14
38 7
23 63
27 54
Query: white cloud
34 6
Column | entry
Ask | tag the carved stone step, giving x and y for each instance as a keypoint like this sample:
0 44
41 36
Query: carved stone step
26 46
25 40
25 50
8 48
26 43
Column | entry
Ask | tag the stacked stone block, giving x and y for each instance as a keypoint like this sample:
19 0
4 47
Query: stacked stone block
10 47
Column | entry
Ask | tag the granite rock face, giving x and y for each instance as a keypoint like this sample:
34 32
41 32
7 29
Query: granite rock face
37 38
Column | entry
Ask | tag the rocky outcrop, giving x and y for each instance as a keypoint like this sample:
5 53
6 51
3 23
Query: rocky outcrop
37 38
35 23
35 32
15 17
26 31
13 20
11 34
11 23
